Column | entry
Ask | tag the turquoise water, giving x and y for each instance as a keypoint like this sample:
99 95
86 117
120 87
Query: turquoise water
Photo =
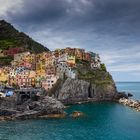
103 121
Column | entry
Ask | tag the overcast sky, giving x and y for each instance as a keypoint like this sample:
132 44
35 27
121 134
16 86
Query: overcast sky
108 27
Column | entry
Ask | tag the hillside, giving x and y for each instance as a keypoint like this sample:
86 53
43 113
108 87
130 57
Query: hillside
12 38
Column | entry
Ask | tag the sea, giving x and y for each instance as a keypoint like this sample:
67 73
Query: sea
102 121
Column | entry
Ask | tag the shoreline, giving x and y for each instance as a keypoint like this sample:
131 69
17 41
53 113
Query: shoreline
33 115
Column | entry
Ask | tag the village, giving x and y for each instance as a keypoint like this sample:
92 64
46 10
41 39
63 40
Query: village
29 70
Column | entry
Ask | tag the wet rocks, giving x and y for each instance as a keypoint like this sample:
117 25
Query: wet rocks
46 106
131 103
53 116
130 95
120 95
77 114
34 109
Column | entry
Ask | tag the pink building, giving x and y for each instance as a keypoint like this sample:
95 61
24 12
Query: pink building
13 51
26 65
26 78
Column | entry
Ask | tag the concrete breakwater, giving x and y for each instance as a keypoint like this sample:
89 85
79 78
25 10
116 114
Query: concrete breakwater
135 104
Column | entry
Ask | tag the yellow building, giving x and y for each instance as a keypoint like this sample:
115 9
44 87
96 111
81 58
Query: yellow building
3 75
32 77
30 58
40 68
71 60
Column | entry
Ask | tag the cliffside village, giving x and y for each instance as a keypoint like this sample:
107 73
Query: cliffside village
42 70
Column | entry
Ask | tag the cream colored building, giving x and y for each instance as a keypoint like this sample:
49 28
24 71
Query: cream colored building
49 82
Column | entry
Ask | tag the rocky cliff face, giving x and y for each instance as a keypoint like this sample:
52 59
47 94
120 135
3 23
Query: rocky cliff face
76 90
73 91
90 85
105 91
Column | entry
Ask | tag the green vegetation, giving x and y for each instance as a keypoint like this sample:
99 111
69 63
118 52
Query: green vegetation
6 44
83 62
103 67
87 75
5 60
10 38
97 76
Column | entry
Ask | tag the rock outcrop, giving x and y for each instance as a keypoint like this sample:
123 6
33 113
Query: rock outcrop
120 95
131 103
105 92
75 90
32 109
77 114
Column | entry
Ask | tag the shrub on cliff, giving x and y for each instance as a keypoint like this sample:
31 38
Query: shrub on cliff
103 67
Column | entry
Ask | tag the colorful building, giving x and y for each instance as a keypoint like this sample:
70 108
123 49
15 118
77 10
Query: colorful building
71 60
13 51
26 79
87 57
3 75
19 56
1 53
63 70
79 53
50 70
40 68
49 81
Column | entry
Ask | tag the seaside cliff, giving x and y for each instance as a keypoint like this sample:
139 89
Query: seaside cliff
76 76
90 85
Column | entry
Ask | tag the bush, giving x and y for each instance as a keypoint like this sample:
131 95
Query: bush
103 67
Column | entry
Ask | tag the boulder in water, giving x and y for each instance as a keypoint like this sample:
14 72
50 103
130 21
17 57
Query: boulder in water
77 114
130 95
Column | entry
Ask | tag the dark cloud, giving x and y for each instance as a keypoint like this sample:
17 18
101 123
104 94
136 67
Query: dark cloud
39 11
115 18
112 16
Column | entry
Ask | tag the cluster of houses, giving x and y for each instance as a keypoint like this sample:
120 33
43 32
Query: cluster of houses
44 69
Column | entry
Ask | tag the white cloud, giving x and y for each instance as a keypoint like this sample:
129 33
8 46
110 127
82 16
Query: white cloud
122 60
5 5
125 68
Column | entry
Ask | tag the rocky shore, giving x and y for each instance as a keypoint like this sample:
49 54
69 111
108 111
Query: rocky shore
131 103
47 107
